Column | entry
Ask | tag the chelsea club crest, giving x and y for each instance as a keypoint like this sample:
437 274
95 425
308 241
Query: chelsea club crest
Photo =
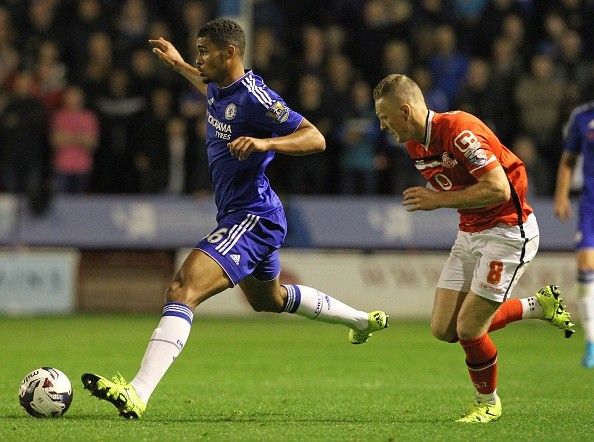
230 111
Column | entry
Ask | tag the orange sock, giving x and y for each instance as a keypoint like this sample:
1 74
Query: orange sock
509 311
481 360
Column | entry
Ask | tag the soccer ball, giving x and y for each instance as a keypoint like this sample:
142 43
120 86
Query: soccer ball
45 392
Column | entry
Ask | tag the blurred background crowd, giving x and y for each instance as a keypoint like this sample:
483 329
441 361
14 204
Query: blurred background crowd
86 107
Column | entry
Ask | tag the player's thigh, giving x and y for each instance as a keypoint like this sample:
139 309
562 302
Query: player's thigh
198 278
263 296
474 317
446 306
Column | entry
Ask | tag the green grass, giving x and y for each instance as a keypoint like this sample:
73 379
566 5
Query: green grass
297 380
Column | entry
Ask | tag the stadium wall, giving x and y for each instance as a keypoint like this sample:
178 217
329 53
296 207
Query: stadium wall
122 252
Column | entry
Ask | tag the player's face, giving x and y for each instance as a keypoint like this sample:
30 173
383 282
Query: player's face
392 119
210 61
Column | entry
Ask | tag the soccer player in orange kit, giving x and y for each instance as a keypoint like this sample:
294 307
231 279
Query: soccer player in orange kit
468 168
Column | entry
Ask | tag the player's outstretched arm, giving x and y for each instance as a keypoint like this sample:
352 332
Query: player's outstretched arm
307 139
561 203
169 55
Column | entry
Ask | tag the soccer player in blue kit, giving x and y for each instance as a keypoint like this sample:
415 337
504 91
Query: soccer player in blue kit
579 140
246 124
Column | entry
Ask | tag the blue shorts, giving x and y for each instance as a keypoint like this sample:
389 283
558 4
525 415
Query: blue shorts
246 244
585 228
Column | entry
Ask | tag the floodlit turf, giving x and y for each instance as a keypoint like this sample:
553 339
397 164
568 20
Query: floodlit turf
299 380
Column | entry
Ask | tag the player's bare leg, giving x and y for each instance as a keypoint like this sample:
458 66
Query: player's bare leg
199 278
308 302
446 305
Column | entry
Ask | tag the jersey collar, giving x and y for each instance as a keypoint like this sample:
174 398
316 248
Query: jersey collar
225 91
247 73
428 126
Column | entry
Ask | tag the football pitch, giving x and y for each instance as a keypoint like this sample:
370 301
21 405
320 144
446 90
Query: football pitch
292 379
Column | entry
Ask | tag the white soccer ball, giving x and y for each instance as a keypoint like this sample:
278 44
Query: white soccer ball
45 392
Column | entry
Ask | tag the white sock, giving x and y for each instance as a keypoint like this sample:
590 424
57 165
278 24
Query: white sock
586 295
165 345
313 304
489 398
531 309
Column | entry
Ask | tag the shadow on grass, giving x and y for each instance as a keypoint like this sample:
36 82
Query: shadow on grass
251 419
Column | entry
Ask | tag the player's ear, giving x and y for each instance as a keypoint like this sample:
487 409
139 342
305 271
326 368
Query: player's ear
405 110
232 51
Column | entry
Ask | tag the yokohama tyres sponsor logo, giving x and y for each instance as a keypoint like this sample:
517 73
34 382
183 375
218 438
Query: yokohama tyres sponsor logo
221 127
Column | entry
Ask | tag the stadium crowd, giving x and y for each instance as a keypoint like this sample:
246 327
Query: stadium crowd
86 107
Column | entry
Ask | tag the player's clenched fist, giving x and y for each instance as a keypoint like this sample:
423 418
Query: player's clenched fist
166 52
242 147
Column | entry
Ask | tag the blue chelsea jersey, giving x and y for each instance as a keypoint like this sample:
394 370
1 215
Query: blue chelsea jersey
244 108
579 138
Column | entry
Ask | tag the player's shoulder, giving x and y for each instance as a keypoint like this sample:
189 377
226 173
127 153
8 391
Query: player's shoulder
256 91
456 118
455 122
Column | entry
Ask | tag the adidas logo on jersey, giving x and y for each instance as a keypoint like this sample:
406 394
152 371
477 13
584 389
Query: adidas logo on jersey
235 258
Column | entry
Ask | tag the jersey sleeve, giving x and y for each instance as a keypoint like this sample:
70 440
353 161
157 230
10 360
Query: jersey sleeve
269 112
571 135
472 147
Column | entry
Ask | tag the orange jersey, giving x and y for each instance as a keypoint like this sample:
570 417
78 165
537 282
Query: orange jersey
458 149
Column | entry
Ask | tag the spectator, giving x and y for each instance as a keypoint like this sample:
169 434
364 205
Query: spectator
308 173
50 75
98 66
448 65
88 17
23 139
40 25
475 93
540 176
193 15
514 31
359 135
506 68
539 96
187 169
149 133
74 136
490 23
117 109
131 28
312 52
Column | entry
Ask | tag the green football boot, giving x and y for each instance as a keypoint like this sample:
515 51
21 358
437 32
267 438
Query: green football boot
377 320
118 392
482 412
549 298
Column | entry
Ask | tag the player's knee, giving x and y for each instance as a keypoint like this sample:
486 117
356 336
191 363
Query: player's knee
443 333
266 305
466 332
179 292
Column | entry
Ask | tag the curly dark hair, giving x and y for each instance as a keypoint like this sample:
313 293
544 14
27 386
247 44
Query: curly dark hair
223 32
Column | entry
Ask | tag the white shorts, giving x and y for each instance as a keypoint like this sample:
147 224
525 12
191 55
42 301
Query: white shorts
489 263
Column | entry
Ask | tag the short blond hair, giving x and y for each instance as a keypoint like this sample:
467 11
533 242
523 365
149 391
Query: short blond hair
398 86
